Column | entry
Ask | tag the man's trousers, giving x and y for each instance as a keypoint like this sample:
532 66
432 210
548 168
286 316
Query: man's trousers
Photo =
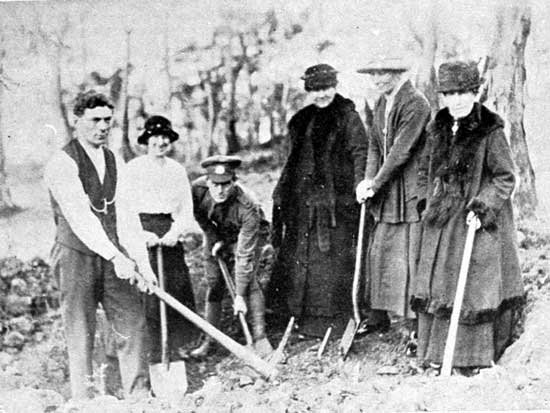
85 281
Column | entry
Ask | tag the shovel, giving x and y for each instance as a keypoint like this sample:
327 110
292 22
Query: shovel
459 297
353 323
168 379
266 369
231 288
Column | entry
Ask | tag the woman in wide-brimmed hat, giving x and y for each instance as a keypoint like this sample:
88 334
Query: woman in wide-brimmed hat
467 173
159 189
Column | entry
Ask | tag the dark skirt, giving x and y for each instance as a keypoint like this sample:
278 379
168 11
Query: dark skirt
181 333
477 345
318 283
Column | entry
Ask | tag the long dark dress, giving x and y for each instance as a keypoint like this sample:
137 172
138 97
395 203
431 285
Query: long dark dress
177 283
316 216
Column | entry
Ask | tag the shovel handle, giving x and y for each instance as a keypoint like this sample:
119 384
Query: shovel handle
457 304
249 357
231 288
163 319
358 261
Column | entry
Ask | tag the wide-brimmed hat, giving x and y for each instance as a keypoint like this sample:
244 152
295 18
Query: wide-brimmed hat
221 168
458 76
319 77
380 64
157 125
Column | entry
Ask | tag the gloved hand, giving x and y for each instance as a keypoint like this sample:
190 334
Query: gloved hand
170 239
364 190
240 305
473 217
216 248
151 239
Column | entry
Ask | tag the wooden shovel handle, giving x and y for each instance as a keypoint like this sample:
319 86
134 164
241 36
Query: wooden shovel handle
231 288
457 304
358 261
163 319
249 357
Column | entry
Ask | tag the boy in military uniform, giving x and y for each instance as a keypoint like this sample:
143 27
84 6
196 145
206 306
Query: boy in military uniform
236 230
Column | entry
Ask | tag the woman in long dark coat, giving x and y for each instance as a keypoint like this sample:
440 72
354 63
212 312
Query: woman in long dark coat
467 172
315 216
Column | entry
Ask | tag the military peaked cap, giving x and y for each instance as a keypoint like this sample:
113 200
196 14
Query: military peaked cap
221 168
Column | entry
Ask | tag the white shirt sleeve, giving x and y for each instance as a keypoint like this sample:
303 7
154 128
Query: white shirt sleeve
61 176
184 220
130 233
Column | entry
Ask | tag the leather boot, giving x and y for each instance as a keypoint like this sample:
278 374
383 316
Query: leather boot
212 313
257 314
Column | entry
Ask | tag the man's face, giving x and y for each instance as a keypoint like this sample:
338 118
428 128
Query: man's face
385 82
158 145
322 98
460 104
220 191
94 125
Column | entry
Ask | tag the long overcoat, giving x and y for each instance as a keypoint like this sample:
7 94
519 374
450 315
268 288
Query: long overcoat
393 150
470 169
315 214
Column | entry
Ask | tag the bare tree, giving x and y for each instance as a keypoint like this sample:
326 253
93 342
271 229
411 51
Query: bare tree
126 147
54 43
426 39
6 203
504 91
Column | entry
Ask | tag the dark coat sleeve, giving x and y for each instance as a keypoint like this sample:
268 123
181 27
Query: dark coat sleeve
358 145
423 169
498 180
409 131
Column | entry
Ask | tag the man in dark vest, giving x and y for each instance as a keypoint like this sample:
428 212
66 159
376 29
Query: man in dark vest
235 229
96 236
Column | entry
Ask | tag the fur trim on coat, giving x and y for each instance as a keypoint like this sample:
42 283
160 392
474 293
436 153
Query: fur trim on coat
452 157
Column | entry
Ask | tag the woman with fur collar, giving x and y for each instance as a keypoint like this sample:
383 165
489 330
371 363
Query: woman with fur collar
467 172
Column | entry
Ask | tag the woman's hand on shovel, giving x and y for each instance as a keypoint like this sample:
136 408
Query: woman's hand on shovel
240 305
473 217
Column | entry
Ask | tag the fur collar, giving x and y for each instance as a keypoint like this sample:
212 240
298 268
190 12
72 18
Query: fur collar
452 159
337 110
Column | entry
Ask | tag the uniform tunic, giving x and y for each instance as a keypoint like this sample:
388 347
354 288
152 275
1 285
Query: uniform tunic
240 224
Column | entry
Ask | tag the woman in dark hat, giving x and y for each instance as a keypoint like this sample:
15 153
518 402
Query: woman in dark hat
159 189
315 216
467 173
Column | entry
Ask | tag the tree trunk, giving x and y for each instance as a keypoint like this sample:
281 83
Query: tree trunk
426 76
6 203
166 66
59 92
504 92
126 147
233 144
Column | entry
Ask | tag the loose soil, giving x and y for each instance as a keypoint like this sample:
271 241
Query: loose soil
377 375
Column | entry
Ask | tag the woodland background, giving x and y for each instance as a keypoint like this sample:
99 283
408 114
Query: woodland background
227 73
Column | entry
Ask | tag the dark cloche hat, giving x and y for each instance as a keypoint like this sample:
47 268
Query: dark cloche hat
395 64
458 76
319 77
157 125
221 168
